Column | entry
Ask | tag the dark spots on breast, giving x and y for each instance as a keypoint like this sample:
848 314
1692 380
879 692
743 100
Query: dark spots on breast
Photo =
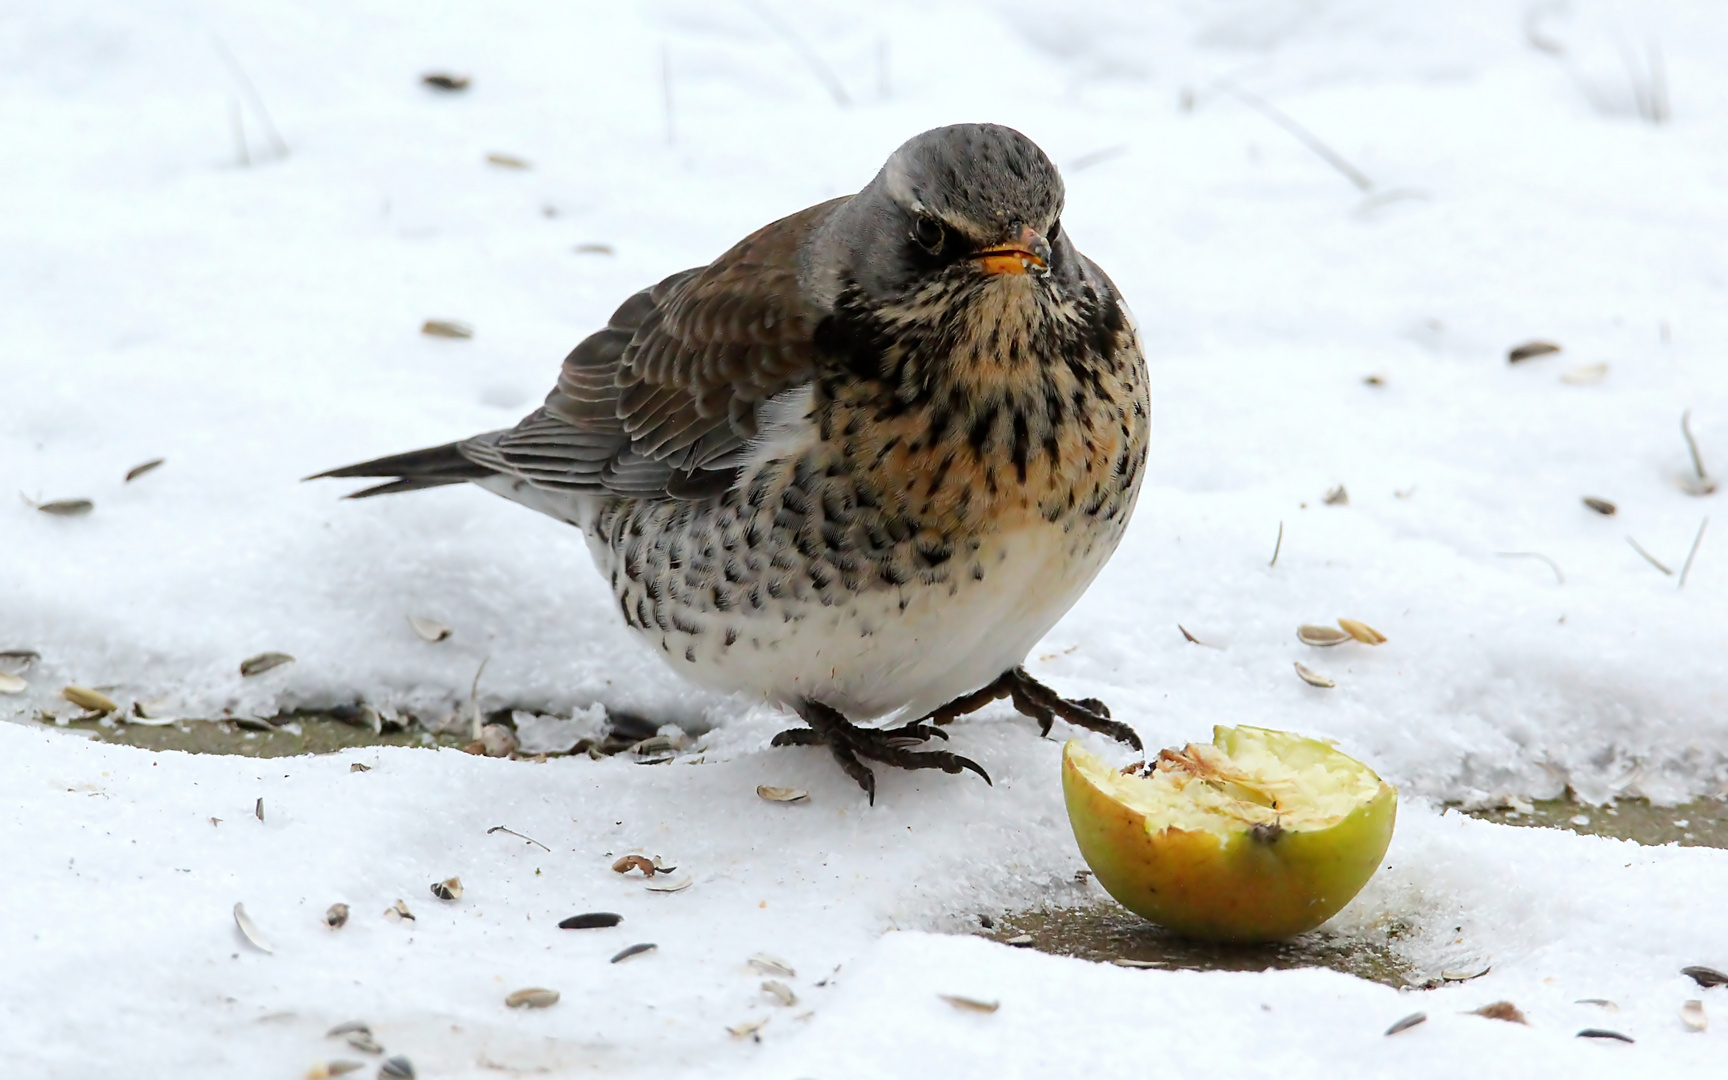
731 638
977 571
1022 448
982 424
720 599
690 653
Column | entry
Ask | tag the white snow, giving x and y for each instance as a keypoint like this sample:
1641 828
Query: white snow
255 323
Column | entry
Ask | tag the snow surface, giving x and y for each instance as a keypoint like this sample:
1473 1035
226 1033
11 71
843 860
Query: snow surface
254 323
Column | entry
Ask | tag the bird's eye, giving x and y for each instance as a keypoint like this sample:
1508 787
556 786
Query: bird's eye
929 233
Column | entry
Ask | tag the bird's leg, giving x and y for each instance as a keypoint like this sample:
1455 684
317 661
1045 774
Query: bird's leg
848 743
1032 698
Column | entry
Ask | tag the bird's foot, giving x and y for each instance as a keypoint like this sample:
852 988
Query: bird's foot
848 743
1032 698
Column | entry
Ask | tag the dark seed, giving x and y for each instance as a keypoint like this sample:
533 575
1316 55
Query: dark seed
592 920
1530 350
67 507
1705 977
258 665
1407 1023
396 1068
1604 1033
634 950
440 80
139 470
1601 506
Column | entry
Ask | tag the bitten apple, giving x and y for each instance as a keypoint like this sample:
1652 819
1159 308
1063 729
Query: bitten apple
1258 835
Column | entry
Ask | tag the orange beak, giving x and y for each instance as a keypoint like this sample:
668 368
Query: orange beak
1029 251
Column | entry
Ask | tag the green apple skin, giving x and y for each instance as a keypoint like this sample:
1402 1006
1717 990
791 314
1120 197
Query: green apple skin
1257 885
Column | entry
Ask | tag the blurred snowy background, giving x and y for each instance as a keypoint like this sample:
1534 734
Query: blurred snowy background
225 224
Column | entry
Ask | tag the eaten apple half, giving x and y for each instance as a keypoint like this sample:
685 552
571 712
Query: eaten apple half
1257 836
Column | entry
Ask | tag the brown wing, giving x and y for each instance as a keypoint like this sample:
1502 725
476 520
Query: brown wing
663 401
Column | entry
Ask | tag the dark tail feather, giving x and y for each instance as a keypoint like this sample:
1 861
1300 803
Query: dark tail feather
435 466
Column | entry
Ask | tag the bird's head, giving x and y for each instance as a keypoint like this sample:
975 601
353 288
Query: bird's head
959 207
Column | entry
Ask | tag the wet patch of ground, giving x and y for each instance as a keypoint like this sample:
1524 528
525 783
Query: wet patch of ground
1699 823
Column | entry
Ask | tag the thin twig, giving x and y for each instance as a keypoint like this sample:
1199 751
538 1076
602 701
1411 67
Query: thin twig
474 698
1302 134
1552 565
803 49
1278 546
276 140
1692 445
1651 559
1690 555
521 836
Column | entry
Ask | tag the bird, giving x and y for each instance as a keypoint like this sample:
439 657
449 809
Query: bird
859 464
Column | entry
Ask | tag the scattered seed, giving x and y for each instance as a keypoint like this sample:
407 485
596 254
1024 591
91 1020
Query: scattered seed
1019 941
1373 380
250 930
1320 636
359 767
592 920
670 886
1705 977
364 1042
1407 1023
396 1068
507 161
780 991
781 794
749 1029
398 911
86 698
429 629
1531 349
1602 1003
258 808
258 665
1502 1010
139 470
326 1069
1601 506
593 249
1336 497
1692 1015
1465 974
348 1027
443 80
534 998
448 889
771 965
446 328
1604 1033
1362 632
967 1004
1312 677
336 916
635 862
634 950
1584 376
67 507
12 684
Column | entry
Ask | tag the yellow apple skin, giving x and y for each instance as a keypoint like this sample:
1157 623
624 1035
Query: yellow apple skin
1245 889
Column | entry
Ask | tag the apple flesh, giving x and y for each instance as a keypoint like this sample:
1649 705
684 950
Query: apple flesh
1257 836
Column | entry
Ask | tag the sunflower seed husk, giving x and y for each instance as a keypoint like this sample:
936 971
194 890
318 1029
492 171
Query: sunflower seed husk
1692 1015
250 930
67 507
443 80
593 920
448 889
1705 977
364 1042
1313 678
748 1029
326 1069
1407 1023
1362 632
348 1027
1604 1033
1320 636
1530 350
970 1004
359 766
633 950
429 629
670 886
86 698
396 1068
1601 1003
781 992
1502 1010
1584 376
1019 941
771 965
1601 506
1336 496
781 794
532 998
12 684
635 862
336 916
1465 974
264 661
447 328
19 658
507 161
139 470
258 808
398 911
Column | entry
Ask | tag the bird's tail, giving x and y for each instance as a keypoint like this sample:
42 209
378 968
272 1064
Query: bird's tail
434 466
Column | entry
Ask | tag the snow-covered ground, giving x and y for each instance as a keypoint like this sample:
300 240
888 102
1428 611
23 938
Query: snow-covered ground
257 320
